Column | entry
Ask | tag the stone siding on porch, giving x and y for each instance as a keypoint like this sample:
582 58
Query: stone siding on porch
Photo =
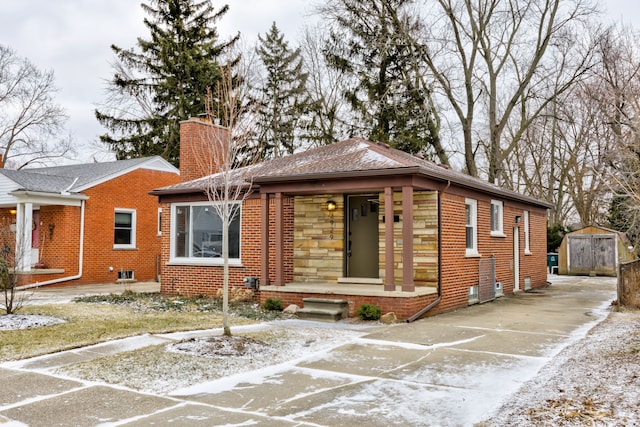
318 243
425 237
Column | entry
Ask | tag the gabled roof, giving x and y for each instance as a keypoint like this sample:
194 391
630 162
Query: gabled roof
77 178
354 157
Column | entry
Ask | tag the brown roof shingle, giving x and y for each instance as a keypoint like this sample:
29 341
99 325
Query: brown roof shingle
353 156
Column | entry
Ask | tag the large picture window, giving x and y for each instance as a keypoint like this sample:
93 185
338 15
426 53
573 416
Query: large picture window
124 229
197 234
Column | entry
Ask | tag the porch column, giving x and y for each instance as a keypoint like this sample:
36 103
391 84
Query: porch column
264 239
24 219
279 235
389 280
408 284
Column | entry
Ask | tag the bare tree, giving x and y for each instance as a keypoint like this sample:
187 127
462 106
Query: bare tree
328 116
489 56
561 157
225 159
618 98
30 120
12 252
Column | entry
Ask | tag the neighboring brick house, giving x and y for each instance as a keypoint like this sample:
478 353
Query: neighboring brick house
87 223
318 224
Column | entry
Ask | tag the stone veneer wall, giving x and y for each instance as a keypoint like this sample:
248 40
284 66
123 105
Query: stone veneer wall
425 237
318 243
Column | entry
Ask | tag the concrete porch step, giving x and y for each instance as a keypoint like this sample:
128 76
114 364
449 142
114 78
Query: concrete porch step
323 309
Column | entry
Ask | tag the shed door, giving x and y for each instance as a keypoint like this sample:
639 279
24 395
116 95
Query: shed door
592 253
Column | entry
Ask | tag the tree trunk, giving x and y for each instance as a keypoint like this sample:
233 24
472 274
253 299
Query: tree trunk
225 255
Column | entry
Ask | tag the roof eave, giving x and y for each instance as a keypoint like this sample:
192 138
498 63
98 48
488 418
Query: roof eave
337 175
189 190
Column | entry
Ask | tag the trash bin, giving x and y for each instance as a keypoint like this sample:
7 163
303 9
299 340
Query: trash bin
552 262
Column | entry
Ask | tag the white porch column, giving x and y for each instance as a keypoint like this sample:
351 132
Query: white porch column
24 219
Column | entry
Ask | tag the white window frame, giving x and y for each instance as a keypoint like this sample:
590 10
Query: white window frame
159 221
496 217
527 247
173 259
473 223
132 243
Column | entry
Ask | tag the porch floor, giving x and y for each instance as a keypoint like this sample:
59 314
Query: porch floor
374 290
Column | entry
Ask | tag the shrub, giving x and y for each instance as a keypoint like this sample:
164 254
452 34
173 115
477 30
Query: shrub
369 312
273 304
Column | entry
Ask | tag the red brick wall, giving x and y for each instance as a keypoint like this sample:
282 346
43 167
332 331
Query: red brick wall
206 280
402 307
460 272
200 148
129 191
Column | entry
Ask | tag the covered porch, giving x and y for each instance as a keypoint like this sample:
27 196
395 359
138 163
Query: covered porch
370 239
35 231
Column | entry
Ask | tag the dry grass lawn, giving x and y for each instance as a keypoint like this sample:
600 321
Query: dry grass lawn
90 323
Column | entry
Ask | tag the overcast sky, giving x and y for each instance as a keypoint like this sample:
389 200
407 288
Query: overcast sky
72 38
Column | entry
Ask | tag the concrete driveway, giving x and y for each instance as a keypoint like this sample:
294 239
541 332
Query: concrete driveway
454 369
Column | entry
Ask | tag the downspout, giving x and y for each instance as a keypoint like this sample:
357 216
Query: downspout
80 259
423 310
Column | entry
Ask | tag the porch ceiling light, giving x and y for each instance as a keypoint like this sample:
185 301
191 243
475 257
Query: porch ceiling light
331 205
13 211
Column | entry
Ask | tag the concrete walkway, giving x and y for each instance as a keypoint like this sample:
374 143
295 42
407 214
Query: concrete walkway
450 370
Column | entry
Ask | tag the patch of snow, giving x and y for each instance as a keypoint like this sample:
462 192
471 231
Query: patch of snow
25 321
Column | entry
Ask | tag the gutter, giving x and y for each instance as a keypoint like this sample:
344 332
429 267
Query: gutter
424 310
80 259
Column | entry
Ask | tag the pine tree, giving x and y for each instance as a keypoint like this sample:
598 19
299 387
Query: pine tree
283 99
164 80
387 93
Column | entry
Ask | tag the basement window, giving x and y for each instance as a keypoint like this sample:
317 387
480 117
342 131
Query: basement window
125 275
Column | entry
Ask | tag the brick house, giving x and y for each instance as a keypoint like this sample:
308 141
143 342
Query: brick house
356 221
87 223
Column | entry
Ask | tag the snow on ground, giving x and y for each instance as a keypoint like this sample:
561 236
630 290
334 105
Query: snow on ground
197 359
594 381
24 321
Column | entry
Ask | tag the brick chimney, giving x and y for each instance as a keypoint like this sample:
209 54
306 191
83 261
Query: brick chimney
201 145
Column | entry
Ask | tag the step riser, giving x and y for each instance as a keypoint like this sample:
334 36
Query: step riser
323 309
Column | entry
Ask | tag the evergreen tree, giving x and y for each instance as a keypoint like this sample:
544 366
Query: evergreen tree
283 98
387 92
164 80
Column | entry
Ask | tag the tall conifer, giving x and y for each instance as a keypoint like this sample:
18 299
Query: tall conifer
283 98
164 79
386 86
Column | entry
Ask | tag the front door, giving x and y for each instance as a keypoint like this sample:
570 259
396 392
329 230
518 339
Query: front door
35 238
362 236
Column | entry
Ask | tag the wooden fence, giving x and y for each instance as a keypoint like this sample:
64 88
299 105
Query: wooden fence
629 284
